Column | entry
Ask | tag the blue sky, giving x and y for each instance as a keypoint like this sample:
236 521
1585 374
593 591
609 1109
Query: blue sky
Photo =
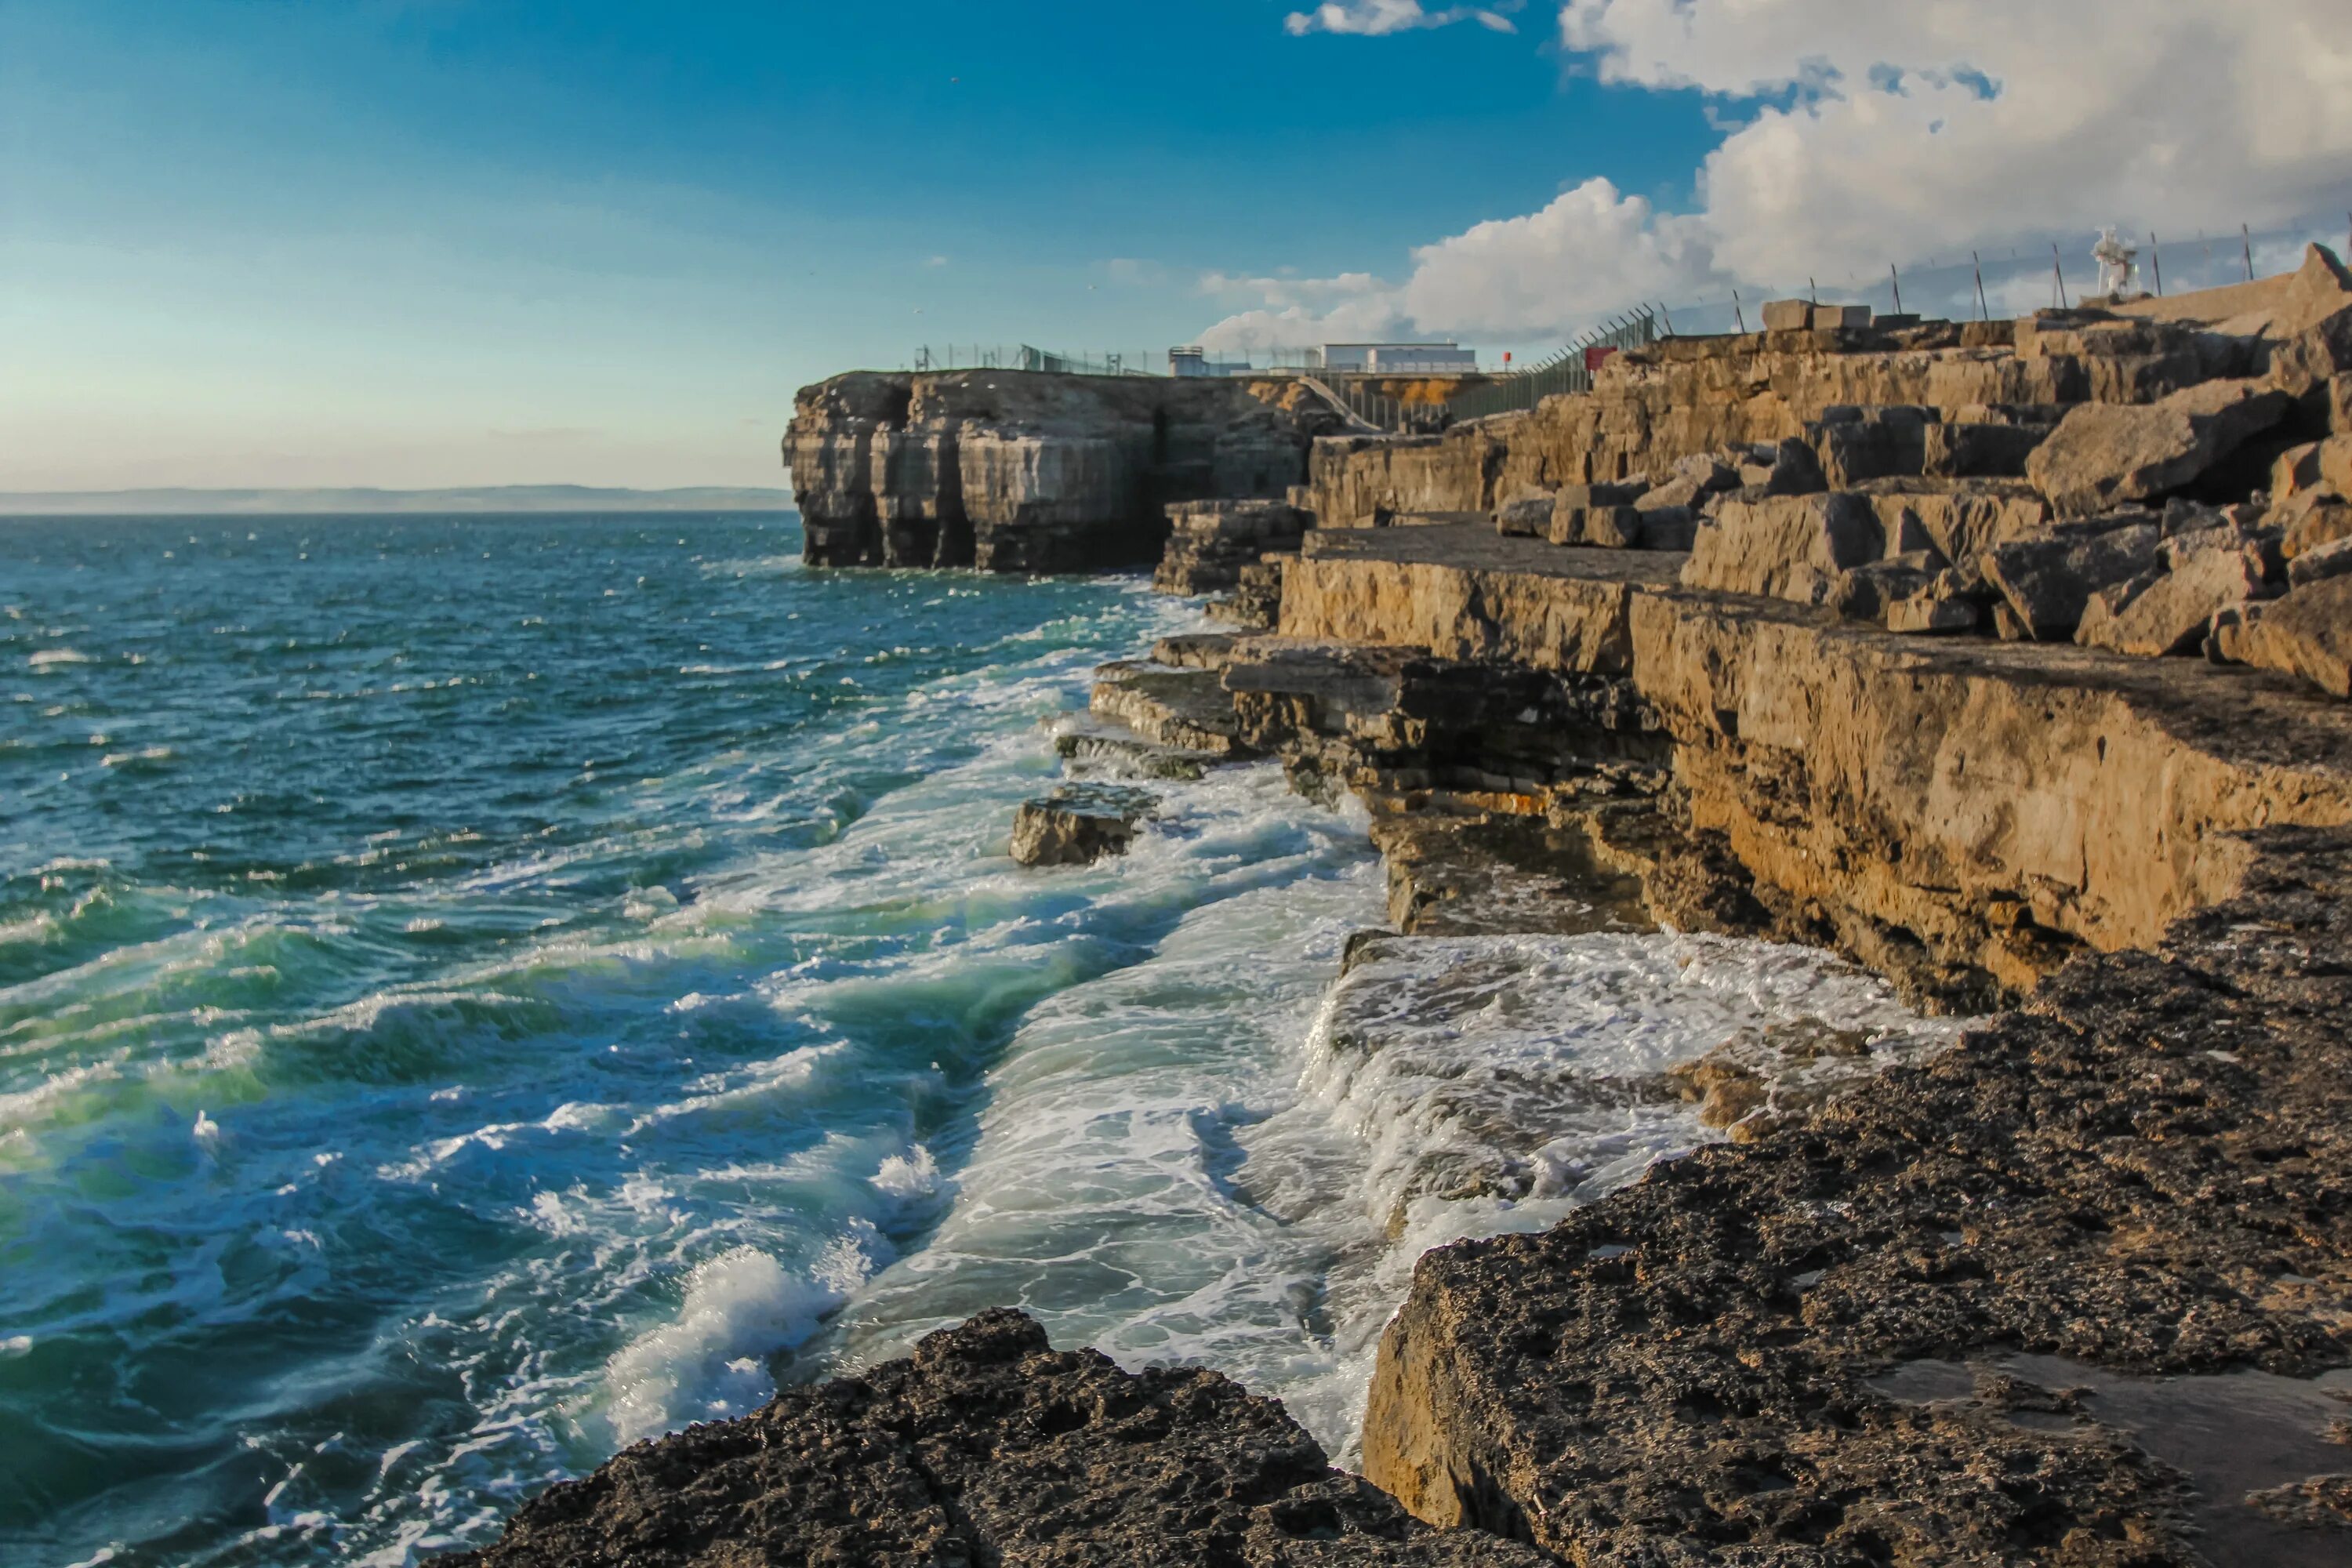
426 242
442 242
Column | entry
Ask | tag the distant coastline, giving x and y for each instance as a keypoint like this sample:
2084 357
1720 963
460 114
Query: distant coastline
485 498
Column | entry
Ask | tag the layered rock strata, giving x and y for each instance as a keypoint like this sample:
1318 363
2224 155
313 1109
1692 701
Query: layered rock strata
1022 472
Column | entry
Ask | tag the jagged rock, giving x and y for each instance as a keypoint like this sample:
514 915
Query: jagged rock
1183 709
1528 517
1784 547
1986 450
2307 634
1124 755
1855 445
2104 454
2157 614
2333 560
1943 606
2339 406
986 1446
2310 519
1963 521
2314 326
1870 591
1078 825
2048 583
1210 543
1667 528
1255 603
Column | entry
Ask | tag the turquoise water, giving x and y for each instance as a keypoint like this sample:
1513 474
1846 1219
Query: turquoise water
475 990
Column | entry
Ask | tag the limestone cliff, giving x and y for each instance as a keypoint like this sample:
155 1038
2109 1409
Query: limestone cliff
1022 472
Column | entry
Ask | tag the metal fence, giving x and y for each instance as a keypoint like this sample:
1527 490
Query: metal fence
1569 370
1028 357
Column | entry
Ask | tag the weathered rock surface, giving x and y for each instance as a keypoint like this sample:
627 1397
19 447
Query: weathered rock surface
985 1446
1787 547
1850 773
2306 634
1018 471
2050 583
2106 455
1078 825
2147 1173
1211 543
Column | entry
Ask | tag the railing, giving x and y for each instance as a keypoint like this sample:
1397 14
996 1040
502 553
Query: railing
1028 357
1569 370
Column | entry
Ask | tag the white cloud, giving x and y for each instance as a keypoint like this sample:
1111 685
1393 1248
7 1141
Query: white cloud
1374 18
1855 133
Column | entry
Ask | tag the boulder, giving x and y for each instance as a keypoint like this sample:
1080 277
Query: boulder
2311 519
1529 517
1855 445
1782 469
1942 607
1786 547
2334 560
1787 315
2104 454
2157 615
1669 528
1839 318
2048 583
1969 451
1078 825
2307 634
1608 527
2314 327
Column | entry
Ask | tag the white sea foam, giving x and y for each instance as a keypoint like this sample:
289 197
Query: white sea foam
1218 1157
710 1362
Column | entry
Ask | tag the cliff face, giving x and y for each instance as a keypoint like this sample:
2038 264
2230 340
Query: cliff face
1019 471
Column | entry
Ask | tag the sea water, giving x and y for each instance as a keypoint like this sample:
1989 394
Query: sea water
477 992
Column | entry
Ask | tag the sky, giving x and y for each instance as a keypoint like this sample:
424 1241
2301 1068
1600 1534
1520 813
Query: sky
465 242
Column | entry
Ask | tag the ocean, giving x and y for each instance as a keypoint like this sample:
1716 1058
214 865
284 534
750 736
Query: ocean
476 992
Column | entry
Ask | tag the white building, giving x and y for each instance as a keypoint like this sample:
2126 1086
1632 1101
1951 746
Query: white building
1399 358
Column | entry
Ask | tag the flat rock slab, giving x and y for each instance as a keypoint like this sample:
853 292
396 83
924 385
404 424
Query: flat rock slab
985 1447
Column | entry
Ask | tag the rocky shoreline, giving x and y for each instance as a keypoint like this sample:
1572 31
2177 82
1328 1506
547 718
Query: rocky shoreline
2007 659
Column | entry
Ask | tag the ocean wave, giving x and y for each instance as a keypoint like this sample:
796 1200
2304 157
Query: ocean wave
742 1308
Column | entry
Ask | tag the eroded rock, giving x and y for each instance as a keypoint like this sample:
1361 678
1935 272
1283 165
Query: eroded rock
1078 825
2106 455
984 1446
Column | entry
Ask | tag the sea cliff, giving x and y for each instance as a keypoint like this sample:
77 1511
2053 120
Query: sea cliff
2010 661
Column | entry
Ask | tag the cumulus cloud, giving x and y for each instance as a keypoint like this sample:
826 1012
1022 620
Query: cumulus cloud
1375 18
1855 133
1296 312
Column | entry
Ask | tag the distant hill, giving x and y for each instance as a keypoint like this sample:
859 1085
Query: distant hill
487 499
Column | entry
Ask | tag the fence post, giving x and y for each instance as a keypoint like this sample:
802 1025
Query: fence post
2156 262
1983 306
2247 234
2058 267
1737 314
1899 288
